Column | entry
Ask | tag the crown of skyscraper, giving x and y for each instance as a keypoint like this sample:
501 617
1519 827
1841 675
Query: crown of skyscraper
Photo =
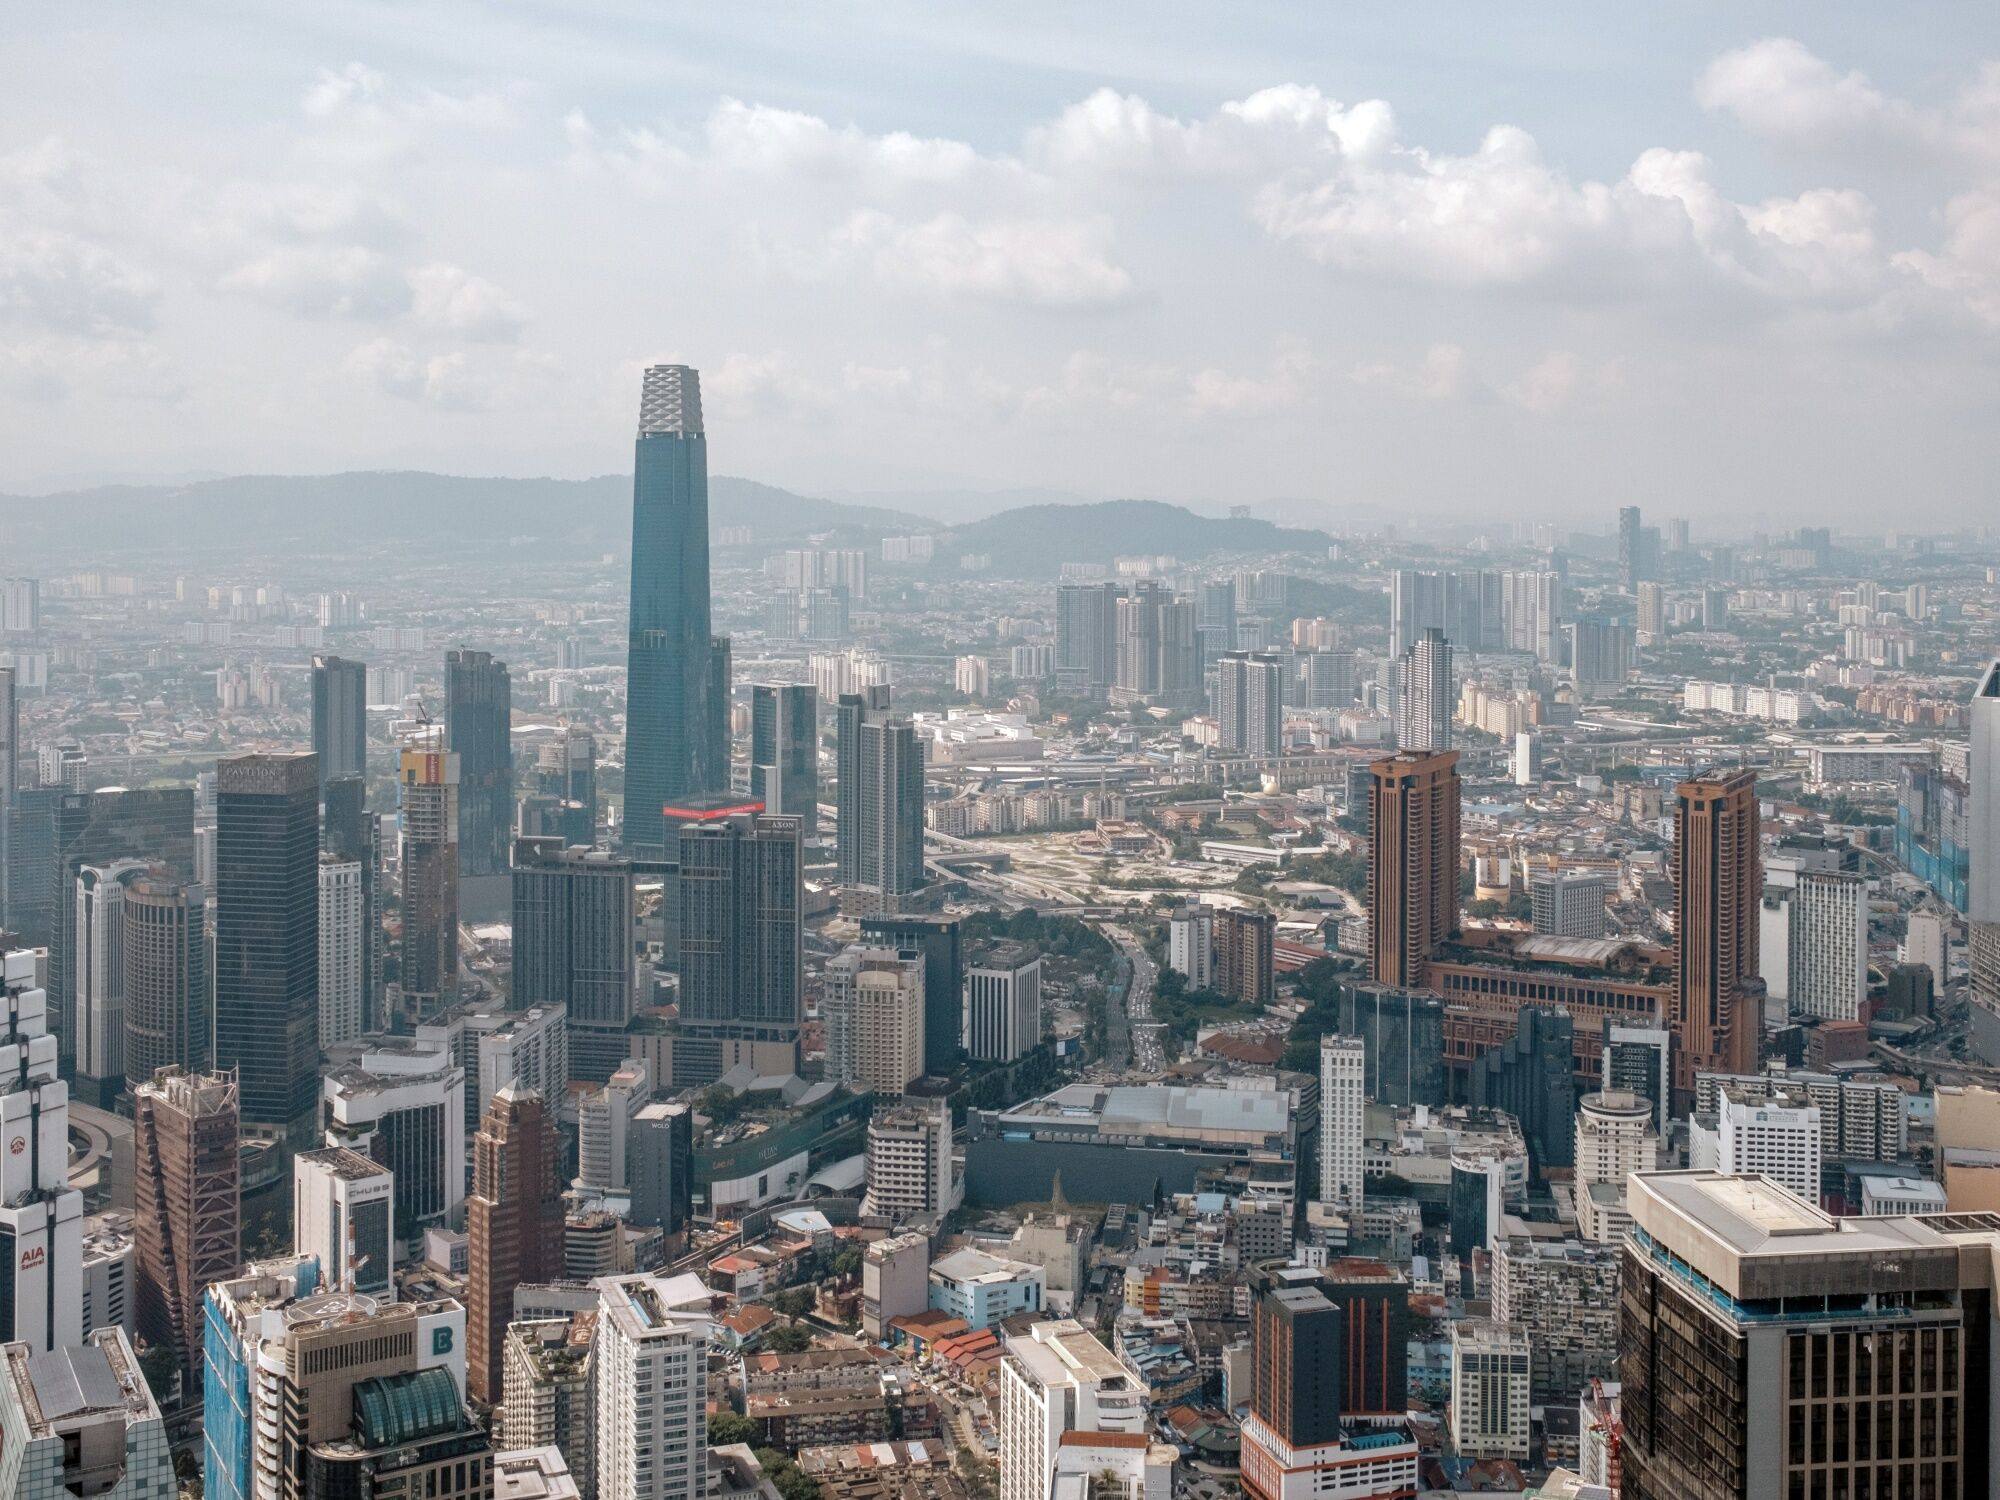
670 402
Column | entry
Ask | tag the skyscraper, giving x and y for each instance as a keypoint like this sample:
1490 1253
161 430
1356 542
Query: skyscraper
873 1006
41 1215
344 1215
351 833
478 729
1245 953
429 829
1342 1075
784 752
168 1022
343 1009
101 828
1718 890
937 938
879 802
573 914
10 761
1982 886
267 935
97 911
740 944
1633 564
1413 862
187 1203
514 1226
653 1334
1247 702
340 718
677 674
1424 706
1827 944
1087 638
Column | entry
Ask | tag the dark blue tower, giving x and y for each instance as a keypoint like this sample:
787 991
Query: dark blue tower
677 674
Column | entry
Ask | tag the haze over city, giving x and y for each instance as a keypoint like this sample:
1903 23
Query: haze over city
813 752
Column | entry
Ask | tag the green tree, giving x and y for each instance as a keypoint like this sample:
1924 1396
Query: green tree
726 1427
159 1365
794 1301
790 1339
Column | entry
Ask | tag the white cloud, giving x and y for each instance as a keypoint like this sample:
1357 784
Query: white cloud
1050 264
1440 375
1781 90
452 300
1284 385
1547 385
341 281
451 380
66 283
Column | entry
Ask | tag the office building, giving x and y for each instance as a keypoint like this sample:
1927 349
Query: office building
1616 1135
1375 1323
740 902
1247 703
343 989
1087 638
428 785
10 776
236 1315
344 1216
41 1215
1342 1101
81 1421
1640 1060
514 1225
353 835
982 1290
1531 1077
1294 1446
574 946
1057 1379
410 1435
604 1128
1426 694
168 1020
1862 1116
1003 1002
1637 549
187 1219
267 936
1718 887
110 1274
1564 1297
879 802
909 1162
402 1101
1827 962
1832 1355
1329 681
1413 863
653 1334
1568 903
478 729
677 715
31 866
97 978
1246 954
1777 1136
1402 1041
872 1008
527 1049
784 752
101 828
339 718
1491 1382
937 938
1191 945
660 1151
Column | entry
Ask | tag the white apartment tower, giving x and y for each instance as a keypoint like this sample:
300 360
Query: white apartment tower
1055 1379
1191 945
343 981
909 1161
1614 1139
650 1378
1828 934
1341 1105
1247 702
1424 705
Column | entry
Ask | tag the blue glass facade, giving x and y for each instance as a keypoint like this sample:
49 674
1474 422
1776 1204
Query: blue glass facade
226 1426
1933 839
677 674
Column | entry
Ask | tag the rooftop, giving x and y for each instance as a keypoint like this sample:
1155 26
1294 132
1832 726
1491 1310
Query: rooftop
65 1389
1123 1110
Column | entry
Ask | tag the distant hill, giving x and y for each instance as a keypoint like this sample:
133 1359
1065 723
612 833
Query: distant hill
332 510
1034 541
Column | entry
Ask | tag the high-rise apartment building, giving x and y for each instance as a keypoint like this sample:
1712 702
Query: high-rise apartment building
677 674
10 777
81 1421
1246 954
1003 1002
1635 566
187 1200
343 915
428 829
909 1161
574 946
1191 945
339 718
1342 1101
1056 1379
1616 1135
1468 608
514 1226
1413 863
879 831
1249 717
1853 1355
1718 886
651 1359
344 1216
784 752
41 1215
1652 614
169 1022
1563 1296
353 835
1827 958
1600 655
1427 697
1491 1384
937 938
1087 638
740 903
604 1128
1568 903
267 935
547 1395
872 1009
478 729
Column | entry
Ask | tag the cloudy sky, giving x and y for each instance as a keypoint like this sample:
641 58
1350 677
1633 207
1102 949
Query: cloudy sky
1736 262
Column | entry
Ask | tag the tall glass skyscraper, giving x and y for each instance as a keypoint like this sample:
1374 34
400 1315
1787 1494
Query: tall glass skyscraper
478 729
677 674
340 718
